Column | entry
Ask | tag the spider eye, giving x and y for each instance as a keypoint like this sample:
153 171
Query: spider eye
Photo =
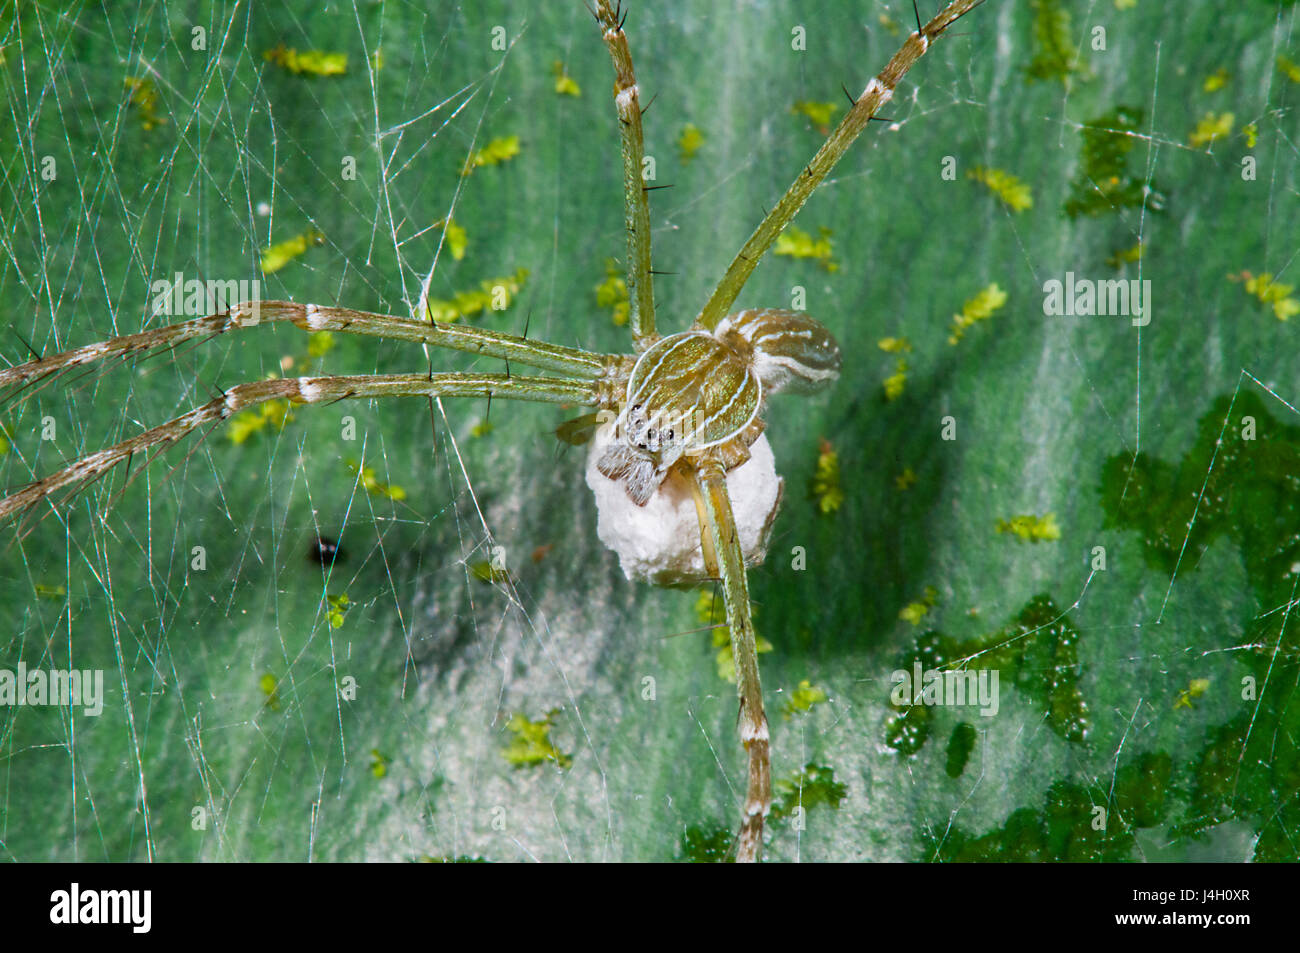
650 434
670 435
636 407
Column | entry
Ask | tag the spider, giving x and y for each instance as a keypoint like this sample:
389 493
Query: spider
681 417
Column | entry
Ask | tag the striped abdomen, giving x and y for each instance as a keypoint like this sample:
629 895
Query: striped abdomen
787 349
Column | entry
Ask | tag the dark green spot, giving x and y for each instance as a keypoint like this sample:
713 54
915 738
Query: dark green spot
1069 828
960 743
1037 652
1054 47
711 845
1239 482
1104 183
814 785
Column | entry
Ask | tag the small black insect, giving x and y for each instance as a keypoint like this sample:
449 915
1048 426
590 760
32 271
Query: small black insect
325 551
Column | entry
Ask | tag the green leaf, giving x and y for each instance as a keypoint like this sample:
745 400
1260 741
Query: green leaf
1174 564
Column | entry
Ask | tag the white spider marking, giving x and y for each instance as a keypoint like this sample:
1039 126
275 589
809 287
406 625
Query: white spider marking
309 390
800 369
625 98
886 94
314 320
782 333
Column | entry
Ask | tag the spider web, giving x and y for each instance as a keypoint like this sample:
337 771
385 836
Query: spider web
243 154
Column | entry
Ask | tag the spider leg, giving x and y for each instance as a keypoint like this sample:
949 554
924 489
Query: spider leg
311 317
640 291
307 390
878 92
752 719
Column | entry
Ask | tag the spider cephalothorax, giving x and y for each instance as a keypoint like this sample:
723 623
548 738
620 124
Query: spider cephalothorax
695 391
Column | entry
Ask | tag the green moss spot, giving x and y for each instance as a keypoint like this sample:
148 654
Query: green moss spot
1195 689
1210 127
1216 80
1044 643
690 142
270 416
820 114
811 787
270 688
825 489
565 85
1030 528
915 612
803 698
338 606
307 62
1104 184
1275 294
497 151
492 294
373 485
531 744
1055 50
794 242
1126 256
456 237
983 306
612 293
1014 193
1250 495
142 95
279 255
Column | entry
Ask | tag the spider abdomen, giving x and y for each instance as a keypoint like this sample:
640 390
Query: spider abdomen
788 350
